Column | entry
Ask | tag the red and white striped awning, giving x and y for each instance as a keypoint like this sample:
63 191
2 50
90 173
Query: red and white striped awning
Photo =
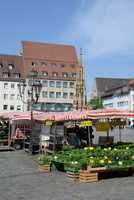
67 116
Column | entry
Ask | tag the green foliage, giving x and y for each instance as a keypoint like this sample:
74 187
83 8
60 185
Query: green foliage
96 103
44 160
116 157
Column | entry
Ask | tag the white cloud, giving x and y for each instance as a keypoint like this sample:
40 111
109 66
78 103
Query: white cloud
104 27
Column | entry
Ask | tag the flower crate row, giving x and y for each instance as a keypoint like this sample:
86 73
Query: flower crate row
74 160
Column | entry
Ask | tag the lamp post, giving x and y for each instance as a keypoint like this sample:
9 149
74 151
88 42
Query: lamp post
34 89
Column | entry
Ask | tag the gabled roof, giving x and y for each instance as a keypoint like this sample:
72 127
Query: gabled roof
105 84
50 52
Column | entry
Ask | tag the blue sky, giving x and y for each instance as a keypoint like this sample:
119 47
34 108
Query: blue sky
104 29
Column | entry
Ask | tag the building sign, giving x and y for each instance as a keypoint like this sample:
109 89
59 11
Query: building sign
86 123
102 126
118 123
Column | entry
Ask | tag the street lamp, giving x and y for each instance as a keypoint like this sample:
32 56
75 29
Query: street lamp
34 91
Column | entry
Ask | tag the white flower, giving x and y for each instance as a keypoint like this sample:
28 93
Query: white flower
120 163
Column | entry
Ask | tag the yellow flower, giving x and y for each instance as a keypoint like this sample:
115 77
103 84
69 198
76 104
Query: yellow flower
132 157
91 148
101 161
109 161
91 161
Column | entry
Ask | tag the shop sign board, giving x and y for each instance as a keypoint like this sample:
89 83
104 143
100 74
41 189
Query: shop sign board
49 123
102 126
86 123
118 123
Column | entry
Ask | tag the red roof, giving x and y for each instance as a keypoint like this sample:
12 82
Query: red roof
51 52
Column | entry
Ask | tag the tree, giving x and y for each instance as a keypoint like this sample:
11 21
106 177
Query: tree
96 103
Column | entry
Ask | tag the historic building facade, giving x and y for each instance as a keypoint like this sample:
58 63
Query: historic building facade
57 68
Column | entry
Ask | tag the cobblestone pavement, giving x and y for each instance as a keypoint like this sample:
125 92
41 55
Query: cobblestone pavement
20 180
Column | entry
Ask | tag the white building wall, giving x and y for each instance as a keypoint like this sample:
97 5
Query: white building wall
9 97
118 101
132 99
67 93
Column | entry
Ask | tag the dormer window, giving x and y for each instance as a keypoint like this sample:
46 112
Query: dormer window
63 65
33 64
45 74
72 65
5 74
53 65
44 64
16 75
1 65
10 66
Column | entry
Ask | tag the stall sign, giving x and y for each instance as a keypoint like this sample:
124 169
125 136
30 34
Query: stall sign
118 123
102 126
49 123
86 123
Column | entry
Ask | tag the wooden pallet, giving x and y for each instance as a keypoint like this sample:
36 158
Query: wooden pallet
86 177
44 168
73 175
96 169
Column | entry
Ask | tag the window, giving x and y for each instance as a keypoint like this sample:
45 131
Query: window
53 65
63 65
71 84
11 107
12 96
65 84
44 64
5 107
19 107
16 75
5 74
64 74
5 85
18 96
72 65
71 95
44 94
65 95
12 85
51 95
58 94
1 65
45 74
45 83
58 84
51 83
33 64
74 75
54 74
10 66
5 96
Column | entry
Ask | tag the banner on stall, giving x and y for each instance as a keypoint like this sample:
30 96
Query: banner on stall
86 123
49 122
102 126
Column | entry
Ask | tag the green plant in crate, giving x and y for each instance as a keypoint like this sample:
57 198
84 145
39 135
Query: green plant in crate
44 160
72 166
